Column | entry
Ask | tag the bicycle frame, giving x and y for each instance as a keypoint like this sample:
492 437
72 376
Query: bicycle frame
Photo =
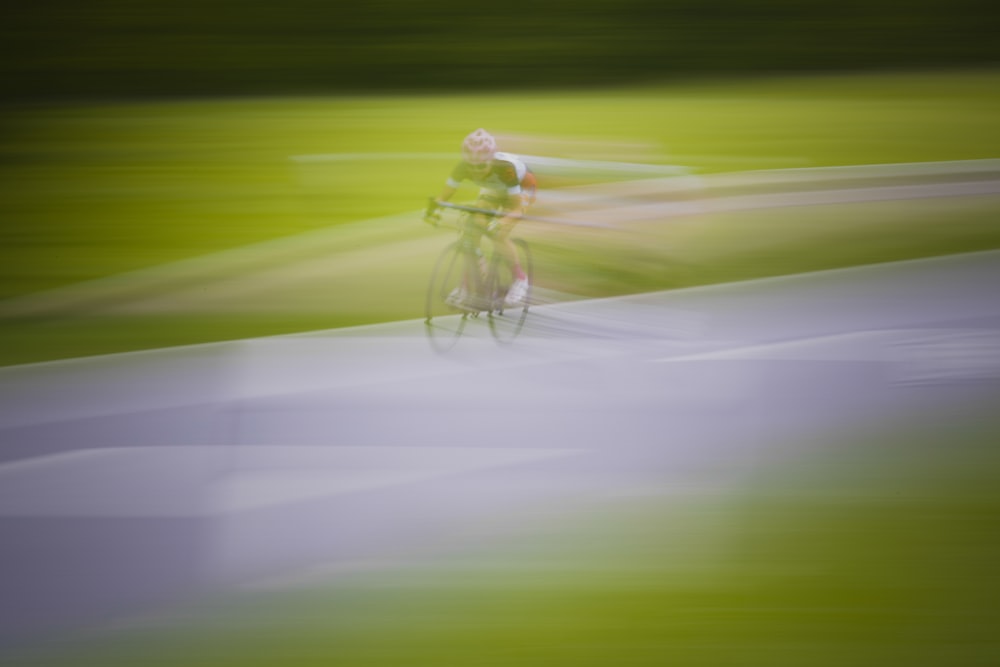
485 281
479 270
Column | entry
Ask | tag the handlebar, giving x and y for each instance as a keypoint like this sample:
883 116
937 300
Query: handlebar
499 214
468 209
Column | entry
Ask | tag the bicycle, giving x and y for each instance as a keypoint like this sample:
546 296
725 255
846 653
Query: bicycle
466 283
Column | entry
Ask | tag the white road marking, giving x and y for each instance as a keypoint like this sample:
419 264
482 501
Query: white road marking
183 481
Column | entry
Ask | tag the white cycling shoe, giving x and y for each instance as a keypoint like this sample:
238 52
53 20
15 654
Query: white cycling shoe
517 293
457 298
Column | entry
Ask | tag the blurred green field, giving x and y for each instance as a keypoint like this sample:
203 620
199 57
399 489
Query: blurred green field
91 191
871 545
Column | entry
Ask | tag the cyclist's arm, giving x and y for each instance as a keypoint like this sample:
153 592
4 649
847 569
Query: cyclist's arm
447 193
451 186
454 182
431 215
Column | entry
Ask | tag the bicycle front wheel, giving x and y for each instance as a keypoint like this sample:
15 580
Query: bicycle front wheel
506 321
444 318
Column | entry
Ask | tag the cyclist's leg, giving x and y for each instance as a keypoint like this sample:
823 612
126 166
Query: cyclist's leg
508 251
520 288
502 241
489 201
473 228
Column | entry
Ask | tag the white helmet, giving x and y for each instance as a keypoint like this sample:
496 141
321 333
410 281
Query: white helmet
479 147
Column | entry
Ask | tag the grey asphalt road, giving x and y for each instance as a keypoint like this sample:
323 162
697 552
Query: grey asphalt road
134 480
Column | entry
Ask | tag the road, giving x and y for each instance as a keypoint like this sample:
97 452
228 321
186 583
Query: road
133 480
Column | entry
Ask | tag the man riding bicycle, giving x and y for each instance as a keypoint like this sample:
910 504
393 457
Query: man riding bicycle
506 186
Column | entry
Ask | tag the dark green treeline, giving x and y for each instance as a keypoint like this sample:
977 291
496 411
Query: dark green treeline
60 48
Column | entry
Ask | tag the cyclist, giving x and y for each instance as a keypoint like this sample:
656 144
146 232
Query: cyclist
505 185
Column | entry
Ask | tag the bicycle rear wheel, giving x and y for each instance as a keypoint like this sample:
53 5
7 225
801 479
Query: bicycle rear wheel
445 321
506 322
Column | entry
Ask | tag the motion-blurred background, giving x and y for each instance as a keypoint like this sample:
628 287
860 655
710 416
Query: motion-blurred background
193 171
115 48
140 135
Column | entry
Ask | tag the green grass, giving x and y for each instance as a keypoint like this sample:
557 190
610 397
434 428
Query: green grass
873 545
89 191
